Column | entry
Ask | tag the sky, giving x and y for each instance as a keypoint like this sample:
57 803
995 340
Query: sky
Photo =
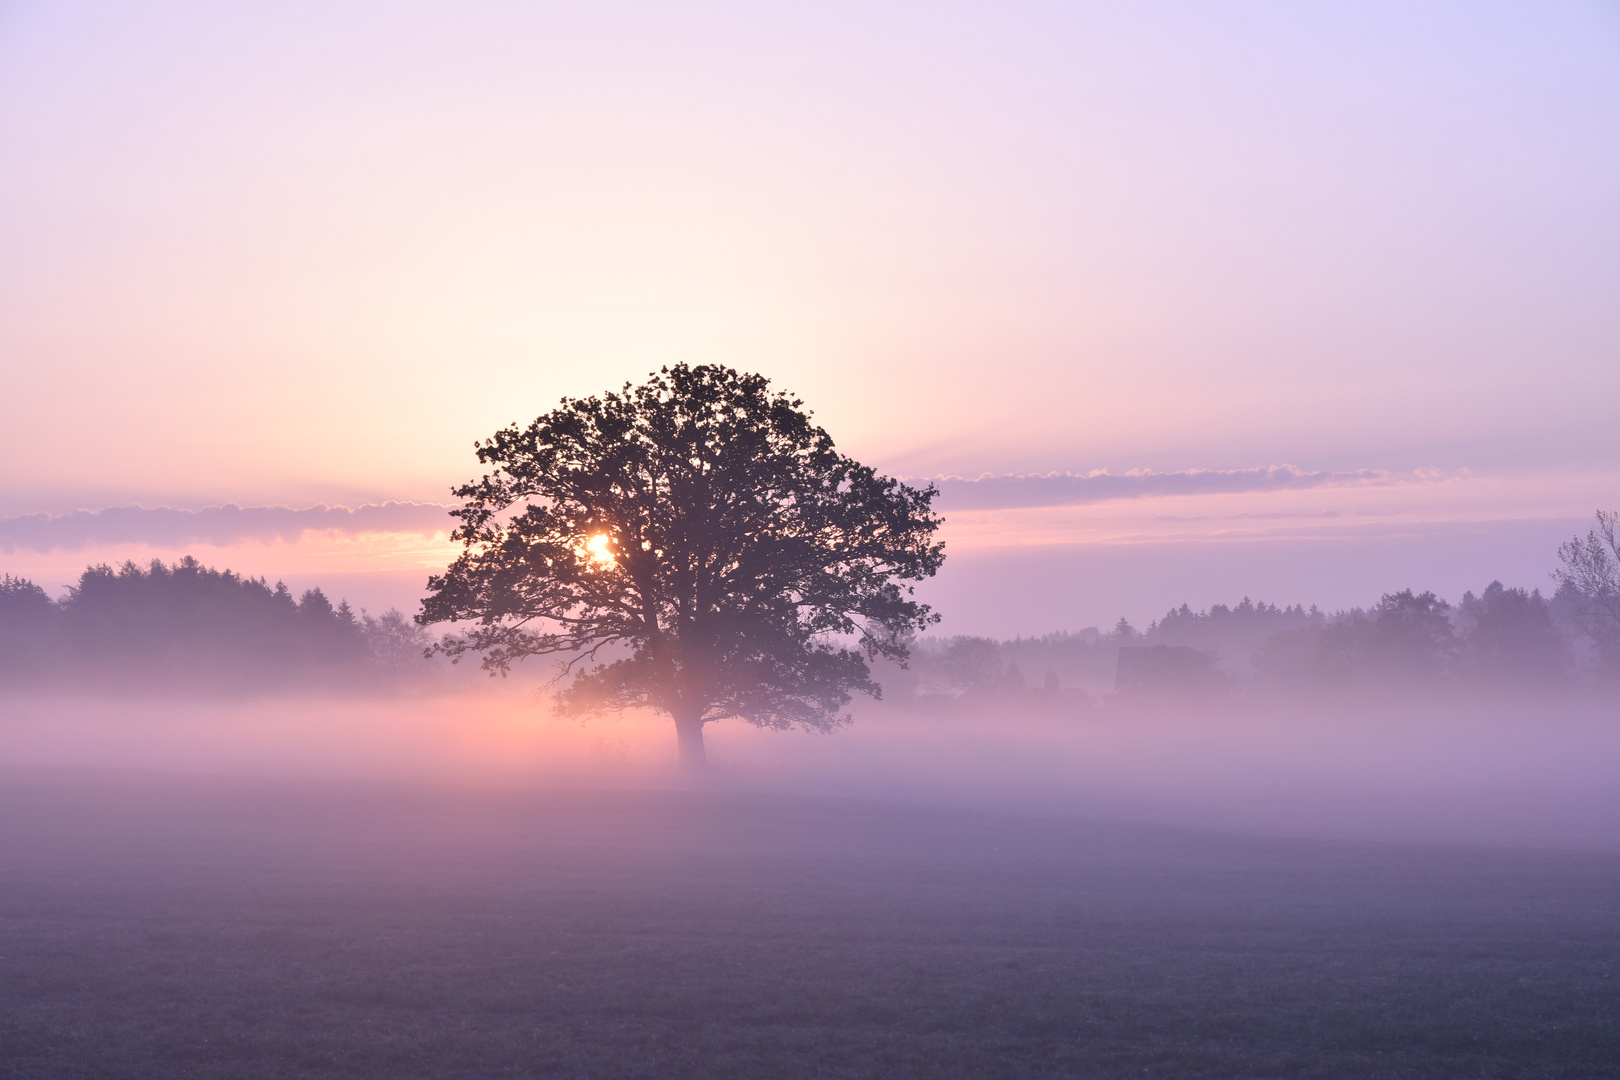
1178 301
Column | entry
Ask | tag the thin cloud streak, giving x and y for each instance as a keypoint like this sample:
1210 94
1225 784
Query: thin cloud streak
163 526
220 526
1074 489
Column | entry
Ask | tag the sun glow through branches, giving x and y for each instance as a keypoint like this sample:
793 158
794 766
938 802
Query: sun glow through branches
600 552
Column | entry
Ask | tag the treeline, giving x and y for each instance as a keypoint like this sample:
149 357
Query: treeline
191 625
1503 640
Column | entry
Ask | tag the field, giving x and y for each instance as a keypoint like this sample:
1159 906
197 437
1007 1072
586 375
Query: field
154 927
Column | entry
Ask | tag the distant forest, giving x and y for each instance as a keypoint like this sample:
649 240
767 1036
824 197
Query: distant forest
190 625
1502 640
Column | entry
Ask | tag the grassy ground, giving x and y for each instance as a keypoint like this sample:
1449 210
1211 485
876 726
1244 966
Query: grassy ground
157 930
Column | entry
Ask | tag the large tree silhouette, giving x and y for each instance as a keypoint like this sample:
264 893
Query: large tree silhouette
694 544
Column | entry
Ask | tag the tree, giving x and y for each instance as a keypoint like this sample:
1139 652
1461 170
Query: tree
23 604
967 663
1406 638
695 545
1591 570
190 622
1413 635
397 643
28 624
1510 636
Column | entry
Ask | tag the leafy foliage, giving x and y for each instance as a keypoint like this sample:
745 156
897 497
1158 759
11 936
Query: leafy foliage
702 526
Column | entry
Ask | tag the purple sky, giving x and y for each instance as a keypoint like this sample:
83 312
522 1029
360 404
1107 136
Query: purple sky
1336 281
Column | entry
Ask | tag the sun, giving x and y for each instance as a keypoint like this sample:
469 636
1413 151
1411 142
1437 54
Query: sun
599 551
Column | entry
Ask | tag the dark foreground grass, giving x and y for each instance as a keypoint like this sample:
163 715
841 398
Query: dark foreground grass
157 930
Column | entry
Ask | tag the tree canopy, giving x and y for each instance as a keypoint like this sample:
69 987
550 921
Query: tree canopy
1590 569
694 544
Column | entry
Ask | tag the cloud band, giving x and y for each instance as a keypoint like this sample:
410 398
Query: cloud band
1075 489
162 526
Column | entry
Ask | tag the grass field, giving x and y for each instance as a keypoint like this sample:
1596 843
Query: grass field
156 928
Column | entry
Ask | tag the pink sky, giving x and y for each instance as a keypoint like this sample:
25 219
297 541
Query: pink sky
299 254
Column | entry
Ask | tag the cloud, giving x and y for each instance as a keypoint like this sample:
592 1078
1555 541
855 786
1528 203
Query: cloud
161 526
1074 489
164 527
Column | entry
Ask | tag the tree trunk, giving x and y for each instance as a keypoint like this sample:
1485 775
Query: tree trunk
689 730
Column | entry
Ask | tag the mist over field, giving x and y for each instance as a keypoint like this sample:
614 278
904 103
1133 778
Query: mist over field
1506 773
1489 721
953 541
256 833
462 882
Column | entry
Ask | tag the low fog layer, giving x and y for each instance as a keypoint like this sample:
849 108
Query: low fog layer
1507 775
1491 720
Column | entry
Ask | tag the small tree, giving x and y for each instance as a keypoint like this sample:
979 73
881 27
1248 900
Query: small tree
1591 570
705 533
397 644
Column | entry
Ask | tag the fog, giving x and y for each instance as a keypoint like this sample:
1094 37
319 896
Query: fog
1246 378
1515 774
1491 721
355 871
